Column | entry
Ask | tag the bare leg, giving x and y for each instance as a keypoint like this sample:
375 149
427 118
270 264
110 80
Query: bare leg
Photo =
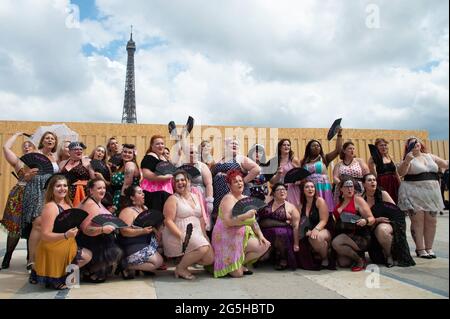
321 244
346 248
188 260
208 258
417 226
384 234
429 231
153 263
35 236
254 250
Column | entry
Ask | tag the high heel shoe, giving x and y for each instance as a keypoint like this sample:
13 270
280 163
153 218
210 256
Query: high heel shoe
359 266
389 262
422 253
431 253
30 267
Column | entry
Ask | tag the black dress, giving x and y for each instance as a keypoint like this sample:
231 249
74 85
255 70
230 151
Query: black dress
400 248
306 258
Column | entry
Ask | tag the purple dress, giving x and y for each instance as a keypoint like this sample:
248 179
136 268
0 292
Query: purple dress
293 191
281 237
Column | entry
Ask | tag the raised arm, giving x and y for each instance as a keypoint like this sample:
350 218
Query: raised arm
333 154
10 156
372 167
405 164
207 180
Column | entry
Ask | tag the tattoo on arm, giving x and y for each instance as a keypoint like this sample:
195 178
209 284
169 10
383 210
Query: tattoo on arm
128 172
91 230
256 227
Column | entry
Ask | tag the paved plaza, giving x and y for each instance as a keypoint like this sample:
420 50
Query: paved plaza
427 280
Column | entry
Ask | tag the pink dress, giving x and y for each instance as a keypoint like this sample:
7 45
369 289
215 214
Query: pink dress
184 216
293 191
150 162
229 245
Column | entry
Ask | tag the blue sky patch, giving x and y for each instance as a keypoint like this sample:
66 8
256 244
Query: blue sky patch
88 9
427 67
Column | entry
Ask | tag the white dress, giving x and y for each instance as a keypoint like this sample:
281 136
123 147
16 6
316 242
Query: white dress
421 195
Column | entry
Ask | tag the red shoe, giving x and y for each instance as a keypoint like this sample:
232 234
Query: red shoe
358 267
163 267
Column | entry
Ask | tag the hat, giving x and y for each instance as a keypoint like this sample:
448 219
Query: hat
74 145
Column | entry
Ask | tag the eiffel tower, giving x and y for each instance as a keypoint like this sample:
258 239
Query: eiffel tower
129 103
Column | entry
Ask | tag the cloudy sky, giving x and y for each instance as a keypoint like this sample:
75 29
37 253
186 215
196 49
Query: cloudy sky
267 63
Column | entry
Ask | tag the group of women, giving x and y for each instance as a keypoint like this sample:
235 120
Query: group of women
305 224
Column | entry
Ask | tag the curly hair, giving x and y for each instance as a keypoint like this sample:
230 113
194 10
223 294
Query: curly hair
231 175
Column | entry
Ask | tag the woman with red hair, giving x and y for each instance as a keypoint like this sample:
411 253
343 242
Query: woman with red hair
419 194
157 188
237 240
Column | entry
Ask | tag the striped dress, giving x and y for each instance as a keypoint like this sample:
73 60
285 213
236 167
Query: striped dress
319 176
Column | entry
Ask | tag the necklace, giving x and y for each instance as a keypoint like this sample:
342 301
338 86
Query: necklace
343 161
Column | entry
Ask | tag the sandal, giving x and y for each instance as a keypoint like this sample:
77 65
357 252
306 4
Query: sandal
32 279
431 253
360 265
281 265
422 253
60 286
92 278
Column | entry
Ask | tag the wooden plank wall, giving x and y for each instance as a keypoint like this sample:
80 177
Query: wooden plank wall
93 134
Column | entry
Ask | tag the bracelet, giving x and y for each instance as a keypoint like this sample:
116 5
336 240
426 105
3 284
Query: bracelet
316 228
102 230
65 236
367 221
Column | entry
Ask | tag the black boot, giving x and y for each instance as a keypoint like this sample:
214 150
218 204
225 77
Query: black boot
6 260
